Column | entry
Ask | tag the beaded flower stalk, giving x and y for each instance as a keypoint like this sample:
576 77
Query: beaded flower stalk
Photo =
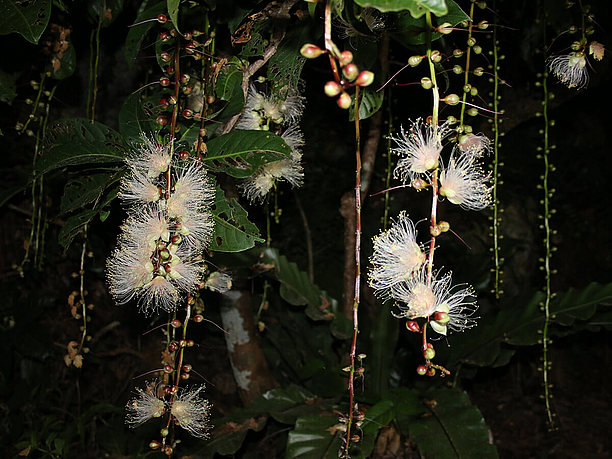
402 267
158 263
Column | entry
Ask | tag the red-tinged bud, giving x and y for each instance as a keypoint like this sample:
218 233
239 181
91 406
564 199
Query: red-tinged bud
202 132
162 18
170 70
172 100
168 369
210 99
173 346
190 343
176 323
163 103
355 438
190 48
187 89
451 99
413 326
444 226
154 444
187 113
458 53
441 317
165 57
182 343
419 184
426 83
435 231
164 432
177 239
198 318
161 120
421 370
164 81
332 89
445 28
436 56
183 155
346 57
350 71
187 367
431 372
344 101
187 35
185 78
429 353
167 450
164 36
310 51
185 375
365 78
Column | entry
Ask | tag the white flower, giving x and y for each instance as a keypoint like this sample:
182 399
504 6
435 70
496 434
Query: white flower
450 308
138 188
129 269
144 406
192 411
192 191
146 225
151 159
464 183
476 145
160 293
419 149
196 228
261 109
294 138
257 186
184 274
397 256
570 69
218 282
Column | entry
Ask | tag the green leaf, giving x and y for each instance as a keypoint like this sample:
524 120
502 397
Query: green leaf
76 141
287 404
173 10
233 230
370 102
241 153
383 336
133 119
229 87
487 344
296 287
376 418
8 88
416 7
137 33
411 31
454 428
27 18
76 224
312 437
86 189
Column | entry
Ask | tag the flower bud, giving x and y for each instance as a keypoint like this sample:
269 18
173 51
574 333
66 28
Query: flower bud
445 28
161 120
457 52
441 317
164 36
451 99
421 370
198 318
344 101
431 372
419 184
365 78
176 323
165 57
444 226
477 49
332 89
164 432
310 51
350 71
436 56
187 113
346 57
162 18
429 353
426 83
164 81
168 369
457 69
154 444
413 326
471 41
413 61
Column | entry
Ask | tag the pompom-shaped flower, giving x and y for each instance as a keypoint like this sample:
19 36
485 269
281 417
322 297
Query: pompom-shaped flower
138 188
464 183
151 159
218 282
260 110
146 226
450 308
419 149
144 406
570 69
160 293
192 411
397 256
129 269
257 186
476 144
192 191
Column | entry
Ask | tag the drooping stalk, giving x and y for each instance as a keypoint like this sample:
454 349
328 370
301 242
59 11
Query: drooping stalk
468 54
497 262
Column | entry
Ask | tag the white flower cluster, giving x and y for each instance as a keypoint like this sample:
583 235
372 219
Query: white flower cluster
264 113
399 272
462 181
188 407
159 254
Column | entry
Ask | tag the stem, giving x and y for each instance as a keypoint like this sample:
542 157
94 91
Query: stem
467 64
496 211
351 380
330 46
94 70
175 108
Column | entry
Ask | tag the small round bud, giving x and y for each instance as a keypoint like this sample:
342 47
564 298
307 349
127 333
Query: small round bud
431 372
173 346
444 226
164 36
164 81
457 53
164 432
421 370
187 113
176 323
413 326
477 49
350 71
310 51
436 56
187 367
419 184
185 375
365 78
187 89
165 57
344 101
471 41
483 25
168 369
413 61
210 99
346 57
198 318
185 78
190 343
154 444
467 88
441 317
163 103
451 99
162 18
473 91
187 35
576 46
472 111
435 231
445 28
429 353
332 89
572 29
167 450
161 120
426 83
457 69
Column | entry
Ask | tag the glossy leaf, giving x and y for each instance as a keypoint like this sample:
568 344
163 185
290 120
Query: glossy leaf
314 436
453 428
416 7
76 141
86 189
137 33
296 287
233 230
133 119
376 418
369 103
229 87
241 153
173 10
28 19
